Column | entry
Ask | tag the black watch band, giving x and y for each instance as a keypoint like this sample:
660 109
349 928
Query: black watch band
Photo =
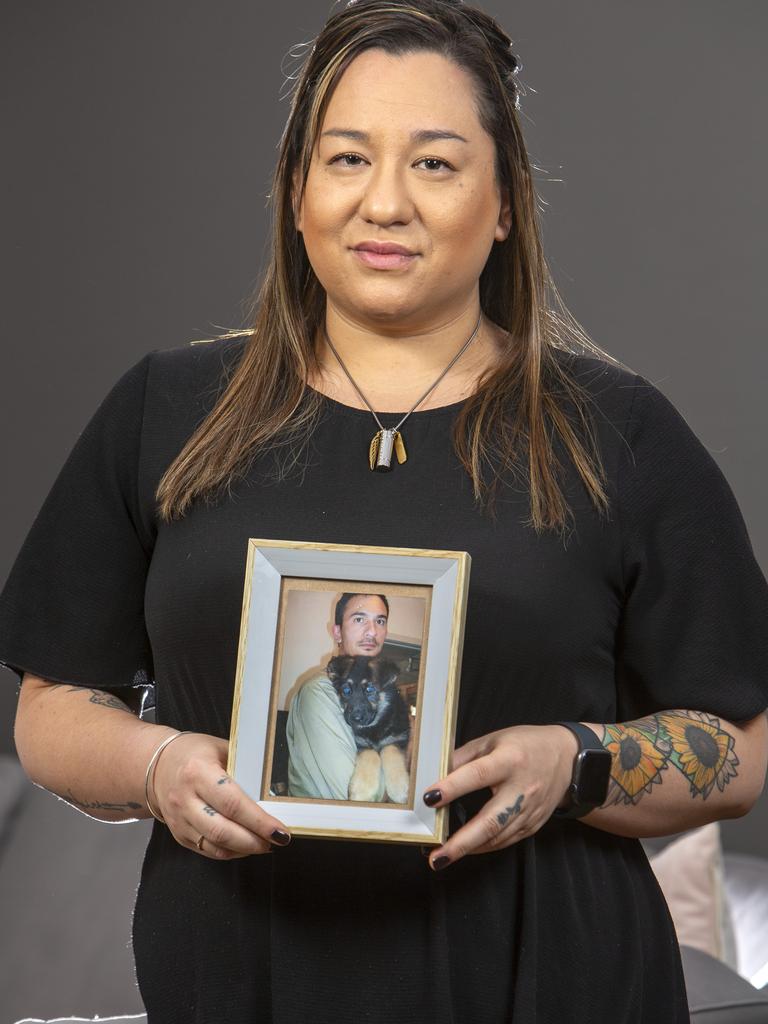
591 773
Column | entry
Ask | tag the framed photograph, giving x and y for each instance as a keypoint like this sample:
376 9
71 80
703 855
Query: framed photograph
347 686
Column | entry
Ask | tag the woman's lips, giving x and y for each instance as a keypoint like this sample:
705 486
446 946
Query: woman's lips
384 260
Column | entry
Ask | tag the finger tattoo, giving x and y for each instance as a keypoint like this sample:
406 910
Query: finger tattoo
222 780
209 810
503 816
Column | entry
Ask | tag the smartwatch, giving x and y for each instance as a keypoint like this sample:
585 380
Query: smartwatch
591 773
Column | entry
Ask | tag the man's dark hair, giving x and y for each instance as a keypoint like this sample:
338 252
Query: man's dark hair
341 604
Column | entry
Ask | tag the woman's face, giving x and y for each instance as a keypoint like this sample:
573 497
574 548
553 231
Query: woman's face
370 179
363 628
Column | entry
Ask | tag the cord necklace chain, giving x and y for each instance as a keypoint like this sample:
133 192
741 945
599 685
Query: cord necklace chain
385 441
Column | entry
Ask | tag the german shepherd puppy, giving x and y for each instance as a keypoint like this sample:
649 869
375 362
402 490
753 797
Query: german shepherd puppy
380 721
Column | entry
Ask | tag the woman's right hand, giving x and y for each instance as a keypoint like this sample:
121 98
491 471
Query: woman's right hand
192 791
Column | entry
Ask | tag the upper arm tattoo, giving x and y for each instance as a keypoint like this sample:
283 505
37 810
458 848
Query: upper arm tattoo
107 700
693 741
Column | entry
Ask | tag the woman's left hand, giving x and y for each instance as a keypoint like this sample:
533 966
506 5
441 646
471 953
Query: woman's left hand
528 768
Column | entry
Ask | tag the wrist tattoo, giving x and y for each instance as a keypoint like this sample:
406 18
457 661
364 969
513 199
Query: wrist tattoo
503 816
694 742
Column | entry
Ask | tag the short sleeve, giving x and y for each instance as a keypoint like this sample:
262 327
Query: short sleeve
694 624
72 608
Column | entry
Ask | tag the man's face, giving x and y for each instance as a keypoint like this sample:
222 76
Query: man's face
364 626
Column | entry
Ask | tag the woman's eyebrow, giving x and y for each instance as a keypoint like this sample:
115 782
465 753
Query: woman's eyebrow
420 135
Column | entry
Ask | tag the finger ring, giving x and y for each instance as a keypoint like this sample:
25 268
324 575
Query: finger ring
199 843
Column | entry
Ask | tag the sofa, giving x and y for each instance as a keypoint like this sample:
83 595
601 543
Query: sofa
68 883
719 904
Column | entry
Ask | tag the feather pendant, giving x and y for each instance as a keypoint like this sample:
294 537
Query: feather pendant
400 448
373 449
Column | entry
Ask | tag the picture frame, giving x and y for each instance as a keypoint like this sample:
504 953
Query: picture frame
327 751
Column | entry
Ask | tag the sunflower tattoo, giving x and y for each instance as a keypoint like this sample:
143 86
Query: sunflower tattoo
692 741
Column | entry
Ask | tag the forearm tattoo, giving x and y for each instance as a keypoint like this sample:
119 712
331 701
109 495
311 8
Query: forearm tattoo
97 805
693 741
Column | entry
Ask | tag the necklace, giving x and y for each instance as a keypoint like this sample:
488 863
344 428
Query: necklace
385 441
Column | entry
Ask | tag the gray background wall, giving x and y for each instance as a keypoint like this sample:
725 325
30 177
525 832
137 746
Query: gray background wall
139 142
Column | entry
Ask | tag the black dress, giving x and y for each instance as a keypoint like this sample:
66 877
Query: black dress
662 607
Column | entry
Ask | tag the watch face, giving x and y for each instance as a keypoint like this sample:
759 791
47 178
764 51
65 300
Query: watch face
592 777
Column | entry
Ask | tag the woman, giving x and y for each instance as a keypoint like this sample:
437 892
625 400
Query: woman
613 583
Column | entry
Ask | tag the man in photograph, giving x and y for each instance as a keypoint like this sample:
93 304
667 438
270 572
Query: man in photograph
321 745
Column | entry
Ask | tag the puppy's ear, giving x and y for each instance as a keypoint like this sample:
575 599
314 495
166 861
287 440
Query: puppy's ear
332 669
384 672
338 667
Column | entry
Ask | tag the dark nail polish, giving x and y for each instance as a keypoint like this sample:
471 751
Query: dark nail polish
432 797
440 862
280 837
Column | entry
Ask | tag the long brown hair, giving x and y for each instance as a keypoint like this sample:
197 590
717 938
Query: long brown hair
510 418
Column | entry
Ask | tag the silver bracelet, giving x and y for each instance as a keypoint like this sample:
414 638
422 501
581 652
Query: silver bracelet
151 765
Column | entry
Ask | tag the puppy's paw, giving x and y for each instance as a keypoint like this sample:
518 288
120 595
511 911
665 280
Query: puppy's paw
363 791
366 778
396 776
398 790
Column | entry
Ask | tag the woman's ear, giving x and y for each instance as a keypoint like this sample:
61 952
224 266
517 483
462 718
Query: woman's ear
298 206
504 225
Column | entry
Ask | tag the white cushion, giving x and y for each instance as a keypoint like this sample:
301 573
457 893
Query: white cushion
746 883
690 873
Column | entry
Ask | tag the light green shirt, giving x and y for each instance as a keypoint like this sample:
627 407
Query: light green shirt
321 746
